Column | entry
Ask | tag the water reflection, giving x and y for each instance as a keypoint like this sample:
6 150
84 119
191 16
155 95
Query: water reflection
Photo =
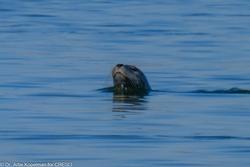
123 103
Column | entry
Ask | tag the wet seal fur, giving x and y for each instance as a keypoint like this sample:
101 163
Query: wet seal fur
129 80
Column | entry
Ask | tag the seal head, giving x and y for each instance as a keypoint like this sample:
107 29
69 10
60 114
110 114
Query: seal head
129 80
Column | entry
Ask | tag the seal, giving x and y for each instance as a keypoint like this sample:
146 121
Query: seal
129 80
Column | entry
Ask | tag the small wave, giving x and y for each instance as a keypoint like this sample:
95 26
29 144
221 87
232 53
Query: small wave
233 90
20 85
106 90
224 91
6 10
58 95
77 137
39 15
217 138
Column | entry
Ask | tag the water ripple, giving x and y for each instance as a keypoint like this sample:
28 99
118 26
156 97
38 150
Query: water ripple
39 15
59 95
77 137
217 138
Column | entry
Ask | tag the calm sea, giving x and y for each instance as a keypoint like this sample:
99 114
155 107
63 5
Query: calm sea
55 54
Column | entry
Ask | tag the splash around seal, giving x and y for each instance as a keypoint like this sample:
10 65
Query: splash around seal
129 80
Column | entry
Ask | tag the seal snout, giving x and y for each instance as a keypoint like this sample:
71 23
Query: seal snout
117 69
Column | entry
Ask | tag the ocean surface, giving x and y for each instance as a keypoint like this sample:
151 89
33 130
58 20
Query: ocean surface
56 54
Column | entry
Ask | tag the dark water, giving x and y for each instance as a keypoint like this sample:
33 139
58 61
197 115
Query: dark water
55 54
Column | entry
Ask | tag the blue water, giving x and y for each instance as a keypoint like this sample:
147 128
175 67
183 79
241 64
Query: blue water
55 54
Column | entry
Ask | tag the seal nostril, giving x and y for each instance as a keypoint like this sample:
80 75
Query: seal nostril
119 65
